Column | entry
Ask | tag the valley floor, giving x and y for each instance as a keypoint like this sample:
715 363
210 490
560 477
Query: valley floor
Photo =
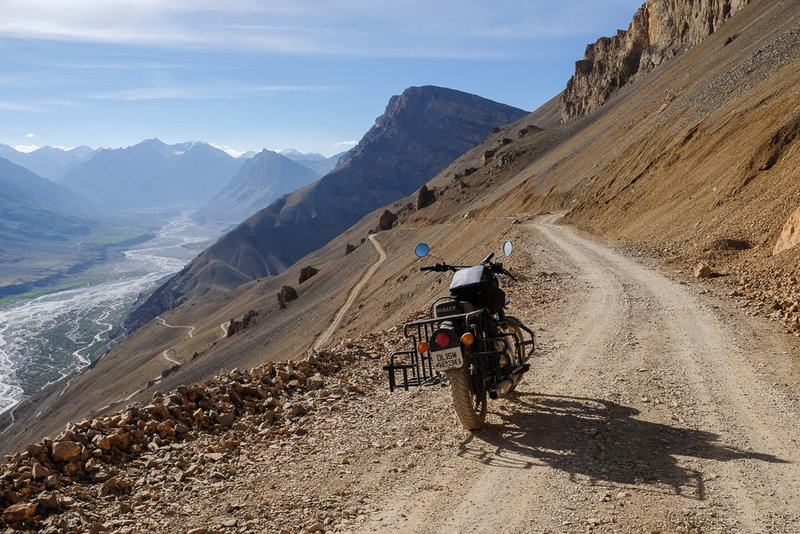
652 406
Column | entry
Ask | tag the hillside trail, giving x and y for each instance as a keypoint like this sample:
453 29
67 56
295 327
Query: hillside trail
351 298
190 328
649 408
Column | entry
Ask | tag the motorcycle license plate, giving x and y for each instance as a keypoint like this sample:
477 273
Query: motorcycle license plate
446 359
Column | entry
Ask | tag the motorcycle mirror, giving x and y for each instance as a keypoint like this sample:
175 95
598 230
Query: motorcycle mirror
422 250
507 248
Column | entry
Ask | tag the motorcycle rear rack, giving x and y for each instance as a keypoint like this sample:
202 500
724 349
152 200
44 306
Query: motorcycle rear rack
416 369
410 368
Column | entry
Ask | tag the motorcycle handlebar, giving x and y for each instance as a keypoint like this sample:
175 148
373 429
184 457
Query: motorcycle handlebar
440 267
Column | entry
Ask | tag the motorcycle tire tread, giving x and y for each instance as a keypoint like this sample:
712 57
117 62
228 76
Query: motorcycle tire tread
470 407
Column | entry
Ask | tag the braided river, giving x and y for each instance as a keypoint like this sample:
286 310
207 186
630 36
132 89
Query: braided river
44 339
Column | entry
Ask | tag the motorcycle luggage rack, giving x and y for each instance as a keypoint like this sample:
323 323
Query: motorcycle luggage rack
417 369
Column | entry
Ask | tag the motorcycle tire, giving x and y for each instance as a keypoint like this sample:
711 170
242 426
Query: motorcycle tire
470 405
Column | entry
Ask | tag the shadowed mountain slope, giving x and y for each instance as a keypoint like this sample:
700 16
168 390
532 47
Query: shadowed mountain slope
39 220
263 178
419 134
48 162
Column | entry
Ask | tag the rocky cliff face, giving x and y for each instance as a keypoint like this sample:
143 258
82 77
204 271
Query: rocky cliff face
420 133
661 29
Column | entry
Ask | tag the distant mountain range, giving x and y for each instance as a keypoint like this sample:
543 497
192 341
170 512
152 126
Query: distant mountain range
153 174
419 134
48 162
313 160
261 180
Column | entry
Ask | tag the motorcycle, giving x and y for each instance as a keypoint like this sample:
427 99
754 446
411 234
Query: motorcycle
467 338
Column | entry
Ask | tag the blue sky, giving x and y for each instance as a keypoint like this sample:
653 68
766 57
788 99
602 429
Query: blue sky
250 74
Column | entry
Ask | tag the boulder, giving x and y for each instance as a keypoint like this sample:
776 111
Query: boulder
39 471
306 273
286 294
726 243
226 419
23 511
790 234
425 197
64 451
315 381
387 220
702 271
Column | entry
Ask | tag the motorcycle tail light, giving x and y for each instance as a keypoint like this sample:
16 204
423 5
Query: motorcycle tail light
442 339
422 347
467 339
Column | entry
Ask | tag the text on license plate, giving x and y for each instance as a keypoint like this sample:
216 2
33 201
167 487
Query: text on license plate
443 360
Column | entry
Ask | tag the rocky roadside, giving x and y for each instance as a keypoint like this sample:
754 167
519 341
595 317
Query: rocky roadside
147 468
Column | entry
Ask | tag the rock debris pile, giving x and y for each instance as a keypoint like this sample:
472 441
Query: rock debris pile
109 474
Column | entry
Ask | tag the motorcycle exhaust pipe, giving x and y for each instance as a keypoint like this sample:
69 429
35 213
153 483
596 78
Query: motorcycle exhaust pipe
502 388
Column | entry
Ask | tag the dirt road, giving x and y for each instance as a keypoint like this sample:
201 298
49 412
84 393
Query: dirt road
351 298
650 409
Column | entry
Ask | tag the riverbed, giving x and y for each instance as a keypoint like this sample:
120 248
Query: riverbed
44 339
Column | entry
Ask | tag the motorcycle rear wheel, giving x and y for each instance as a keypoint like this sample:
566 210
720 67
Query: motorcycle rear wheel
470 404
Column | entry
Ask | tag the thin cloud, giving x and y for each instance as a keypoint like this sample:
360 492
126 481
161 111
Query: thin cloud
30 136
11 106
345 144
448 29
198 93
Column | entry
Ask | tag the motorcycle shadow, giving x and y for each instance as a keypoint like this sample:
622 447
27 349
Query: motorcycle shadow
602 440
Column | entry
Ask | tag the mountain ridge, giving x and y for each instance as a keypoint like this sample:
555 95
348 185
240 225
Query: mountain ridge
153 174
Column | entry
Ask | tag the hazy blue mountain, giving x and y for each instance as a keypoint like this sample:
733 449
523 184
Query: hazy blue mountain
39 223
314 160
48 162
153 174
420 133
261 180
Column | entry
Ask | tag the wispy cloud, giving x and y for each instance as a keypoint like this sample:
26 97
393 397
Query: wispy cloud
345 144
202 93
13 106
446 28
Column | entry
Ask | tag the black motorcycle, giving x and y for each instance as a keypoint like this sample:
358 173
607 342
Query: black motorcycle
468 338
